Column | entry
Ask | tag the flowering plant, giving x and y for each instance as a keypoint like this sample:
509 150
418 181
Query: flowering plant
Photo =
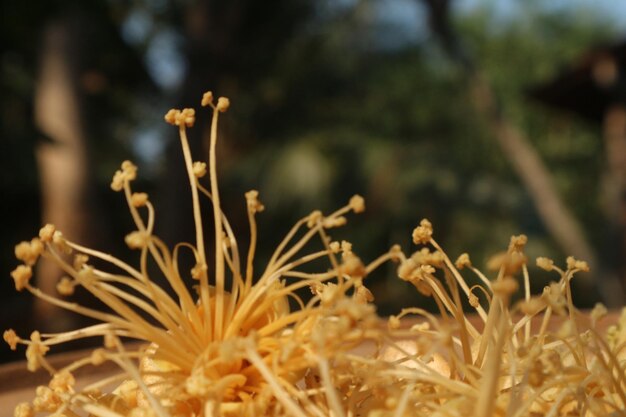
232 346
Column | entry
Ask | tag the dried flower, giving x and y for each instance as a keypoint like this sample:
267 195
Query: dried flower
199 169
357 204
35 351
233 346
545 263
222 104
252 199
573 263
11 338
47 400
46 233
24 410
62 382
137 239
207 98
21 275
29 252
394 322
139 199
423 232
463 261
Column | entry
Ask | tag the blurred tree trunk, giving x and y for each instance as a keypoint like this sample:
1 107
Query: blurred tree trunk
62 157
615 184
525 160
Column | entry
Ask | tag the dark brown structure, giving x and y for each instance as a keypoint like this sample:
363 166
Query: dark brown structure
591 86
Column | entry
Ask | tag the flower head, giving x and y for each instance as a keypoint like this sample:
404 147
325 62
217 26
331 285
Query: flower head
214 343
228 338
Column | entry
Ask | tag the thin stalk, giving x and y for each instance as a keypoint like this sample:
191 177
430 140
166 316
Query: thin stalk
217 219
197 216
487 395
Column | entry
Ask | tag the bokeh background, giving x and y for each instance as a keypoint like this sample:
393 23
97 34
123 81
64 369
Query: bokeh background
490 118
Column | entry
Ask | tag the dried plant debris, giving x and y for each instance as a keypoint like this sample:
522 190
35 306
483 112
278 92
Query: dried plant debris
227 343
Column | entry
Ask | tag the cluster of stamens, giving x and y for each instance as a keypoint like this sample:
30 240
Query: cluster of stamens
222 339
